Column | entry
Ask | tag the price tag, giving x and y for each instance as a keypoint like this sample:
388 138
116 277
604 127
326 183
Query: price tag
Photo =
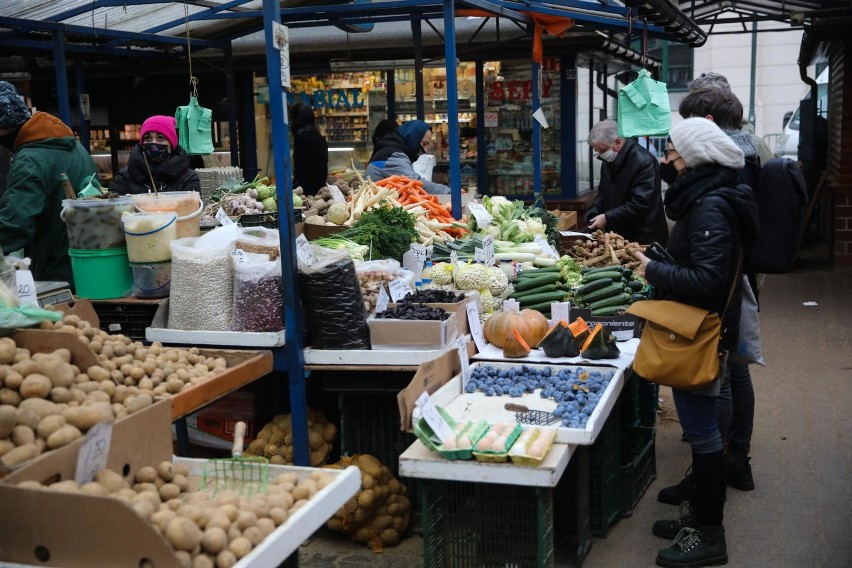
480 213
433 418
560 311
475 326
479 255
26 288
223 218
461 345
398 289
304 251
545 247
454 259
488 250
92 457
382 300
336 194
519 267
511 306
420 252
239 256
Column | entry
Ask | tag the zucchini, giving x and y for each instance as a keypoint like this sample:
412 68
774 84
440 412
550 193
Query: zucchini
636 296
609 310
543 307
626 273
635 285
540 289
611 290
530 283
616 300
594 285
586 270
614 275
556 296
532 272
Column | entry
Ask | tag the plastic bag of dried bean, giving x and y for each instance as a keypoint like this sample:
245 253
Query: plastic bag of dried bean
258 296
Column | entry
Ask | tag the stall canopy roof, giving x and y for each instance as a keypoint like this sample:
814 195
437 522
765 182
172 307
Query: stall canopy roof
104 29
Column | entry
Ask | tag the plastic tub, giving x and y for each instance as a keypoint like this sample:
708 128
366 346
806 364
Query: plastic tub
152 279
149 236
101 274
95 224
187 205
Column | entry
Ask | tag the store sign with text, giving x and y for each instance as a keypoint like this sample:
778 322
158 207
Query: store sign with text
517 90
329 98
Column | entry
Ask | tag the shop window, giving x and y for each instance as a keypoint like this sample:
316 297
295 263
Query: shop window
677 61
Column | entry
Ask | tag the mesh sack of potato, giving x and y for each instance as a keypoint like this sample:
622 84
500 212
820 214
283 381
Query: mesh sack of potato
379 513
275 440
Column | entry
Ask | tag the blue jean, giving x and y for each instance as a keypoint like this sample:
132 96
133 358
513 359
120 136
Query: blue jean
697 415
736 410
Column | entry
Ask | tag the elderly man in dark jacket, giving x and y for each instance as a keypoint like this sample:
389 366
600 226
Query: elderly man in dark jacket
629 201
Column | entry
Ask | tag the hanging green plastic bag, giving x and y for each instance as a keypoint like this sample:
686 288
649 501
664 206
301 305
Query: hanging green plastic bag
643 108
24 316
195 127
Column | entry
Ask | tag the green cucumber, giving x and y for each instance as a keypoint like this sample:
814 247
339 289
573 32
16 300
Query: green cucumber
594 285
609 310
533 272
616 300
635 285
530 283
543 307
636 296
614 275
533 291
556 296
611 290
586 270
627 273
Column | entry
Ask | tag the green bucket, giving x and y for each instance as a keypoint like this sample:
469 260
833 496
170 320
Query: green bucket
101 274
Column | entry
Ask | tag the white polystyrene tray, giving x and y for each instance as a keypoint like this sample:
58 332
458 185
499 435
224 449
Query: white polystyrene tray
473 406
628 352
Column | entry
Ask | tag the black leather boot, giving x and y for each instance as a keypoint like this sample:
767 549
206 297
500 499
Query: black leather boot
692 548
680 492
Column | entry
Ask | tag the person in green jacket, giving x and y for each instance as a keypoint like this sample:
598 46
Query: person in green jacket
44 148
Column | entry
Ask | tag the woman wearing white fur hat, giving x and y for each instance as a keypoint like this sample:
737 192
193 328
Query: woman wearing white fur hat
714 216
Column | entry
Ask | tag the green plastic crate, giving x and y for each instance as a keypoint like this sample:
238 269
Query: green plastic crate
639 464
483 525
605 475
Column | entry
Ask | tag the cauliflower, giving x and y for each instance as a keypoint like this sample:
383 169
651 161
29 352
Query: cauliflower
487 300
535 227
494 231
338 213
442 274
497 280
472 277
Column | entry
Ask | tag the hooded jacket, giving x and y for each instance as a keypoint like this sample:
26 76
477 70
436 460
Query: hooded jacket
629 195
310 152
29 208
714 218
172 175
395 153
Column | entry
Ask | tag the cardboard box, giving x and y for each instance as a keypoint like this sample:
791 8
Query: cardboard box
458 308
220 418
624 326
412 334
566 220
314 232
82 309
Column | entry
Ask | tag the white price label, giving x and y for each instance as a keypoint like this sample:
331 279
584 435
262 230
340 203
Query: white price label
239 256
398 289
420 252
519 267
545 247
478 255
382 300
461 345
511 306
304 251
454 259
223 218
429 251
93 455
560 311
336 194
488 250
433 418
26 288
475 326
480 213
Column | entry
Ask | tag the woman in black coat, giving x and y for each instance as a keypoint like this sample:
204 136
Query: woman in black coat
715 217
310 150
157 158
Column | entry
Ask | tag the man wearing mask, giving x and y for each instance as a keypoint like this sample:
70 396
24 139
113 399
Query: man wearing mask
44 149
396 152
629 201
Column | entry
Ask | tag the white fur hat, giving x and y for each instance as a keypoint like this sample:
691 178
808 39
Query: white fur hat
700 141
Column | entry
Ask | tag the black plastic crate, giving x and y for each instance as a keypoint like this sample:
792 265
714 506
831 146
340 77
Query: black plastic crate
605 475
572 530
267 220
484 525
630 411
638 464
130 317
649 403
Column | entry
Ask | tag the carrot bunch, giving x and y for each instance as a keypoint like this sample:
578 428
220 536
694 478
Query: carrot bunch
412 195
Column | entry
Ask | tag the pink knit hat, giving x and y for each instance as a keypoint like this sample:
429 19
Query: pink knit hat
165 125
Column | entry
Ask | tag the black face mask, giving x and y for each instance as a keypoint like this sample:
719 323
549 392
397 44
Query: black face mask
668 173
156 153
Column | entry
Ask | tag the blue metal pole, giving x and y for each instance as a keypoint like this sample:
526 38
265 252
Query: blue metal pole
568 133
452 105
83 122
536 128
61 76
292 311
417 37
481 174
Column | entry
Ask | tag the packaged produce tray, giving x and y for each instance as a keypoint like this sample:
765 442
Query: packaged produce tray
159 331
520 452
472 406
492 456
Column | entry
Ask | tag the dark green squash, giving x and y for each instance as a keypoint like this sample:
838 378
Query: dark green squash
553 342
600 345
580 329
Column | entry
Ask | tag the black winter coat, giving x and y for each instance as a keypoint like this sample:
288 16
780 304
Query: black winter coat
310 160
714 217
629 195
172 175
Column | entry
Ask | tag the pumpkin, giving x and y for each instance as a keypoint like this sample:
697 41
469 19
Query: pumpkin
515 346
600 345
530 324
581 331
559 342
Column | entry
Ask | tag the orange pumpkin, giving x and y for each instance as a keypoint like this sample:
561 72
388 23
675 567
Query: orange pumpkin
530 324
515 345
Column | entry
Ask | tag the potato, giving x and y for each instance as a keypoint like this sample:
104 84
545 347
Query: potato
58 371
240 546
66 486
87 387
225 559
29 484
143 508
203 561
146 474
60 394
113 481
26 367
279 516
140 487
230 511
266 526
166 470
9 396
93 488
49 425
138 402
174 385
162 518
64 436
183 534
40 445
23 435
214 540
13 379
21 355
98 374
40 407
19 455
63 354
84 417
181 481
8 350
169 491
254 534
6 446
234 532
108 387
246 519
8 420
